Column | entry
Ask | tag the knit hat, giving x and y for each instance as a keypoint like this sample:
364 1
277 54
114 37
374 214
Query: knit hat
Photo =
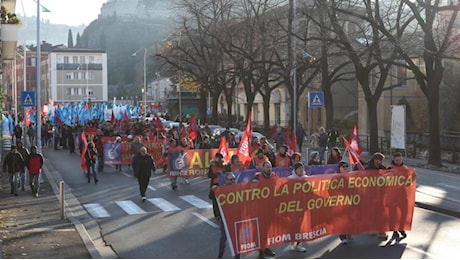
364 155
379 156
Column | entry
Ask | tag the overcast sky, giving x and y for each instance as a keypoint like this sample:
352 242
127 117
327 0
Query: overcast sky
70 12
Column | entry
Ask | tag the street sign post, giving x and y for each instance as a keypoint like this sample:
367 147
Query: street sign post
27 98
315 99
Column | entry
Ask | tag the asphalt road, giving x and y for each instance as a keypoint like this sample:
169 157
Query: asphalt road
180 224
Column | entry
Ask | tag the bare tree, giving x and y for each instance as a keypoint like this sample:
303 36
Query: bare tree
433 22
366 47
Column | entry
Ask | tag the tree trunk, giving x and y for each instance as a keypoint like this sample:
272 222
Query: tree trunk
266 105
373 127
434 156
202 107
230 121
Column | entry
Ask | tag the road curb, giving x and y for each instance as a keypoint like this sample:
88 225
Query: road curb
88 229
435 208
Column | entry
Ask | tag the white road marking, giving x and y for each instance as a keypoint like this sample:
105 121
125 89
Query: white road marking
448 186
130 207
96 210
163 204
126 174
151 188
197 202
212 224
425 253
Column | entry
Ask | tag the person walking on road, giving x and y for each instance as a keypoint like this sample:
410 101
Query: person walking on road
342 168
143 166
298 173
13 163
34 163
376 163
261 176
90 157
22 173
216 166
230 179
397 163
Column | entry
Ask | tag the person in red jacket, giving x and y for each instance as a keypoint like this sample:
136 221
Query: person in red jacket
34 163
282 159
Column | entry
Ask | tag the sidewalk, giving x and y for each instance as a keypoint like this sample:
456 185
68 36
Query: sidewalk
31 227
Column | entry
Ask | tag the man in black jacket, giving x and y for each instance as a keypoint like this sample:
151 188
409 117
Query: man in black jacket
13 164
143 166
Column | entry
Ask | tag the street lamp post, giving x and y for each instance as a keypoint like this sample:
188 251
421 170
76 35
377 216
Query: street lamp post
15 92
144 97
38 89
144 87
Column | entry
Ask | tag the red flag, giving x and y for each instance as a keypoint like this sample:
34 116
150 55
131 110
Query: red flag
27 117
244 148
126 117
353 156
112 118
158 123
354 141
183 133
290 140
192 128
223 148
83 151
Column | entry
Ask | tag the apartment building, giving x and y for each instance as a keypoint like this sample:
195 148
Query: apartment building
74 74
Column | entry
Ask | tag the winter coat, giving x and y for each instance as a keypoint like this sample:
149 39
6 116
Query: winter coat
143 165
13 162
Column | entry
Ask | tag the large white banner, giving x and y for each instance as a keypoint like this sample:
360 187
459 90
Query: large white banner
398 127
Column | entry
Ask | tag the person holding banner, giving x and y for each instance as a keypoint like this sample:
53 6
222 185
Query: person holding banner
397 163
376 163
235 164
143 166
363 160
118 141
216 166
230 179
265 174
342 168
298 173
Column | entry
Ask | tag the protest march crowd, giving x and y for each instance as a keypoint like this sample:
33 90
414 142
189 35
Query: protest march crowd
184 151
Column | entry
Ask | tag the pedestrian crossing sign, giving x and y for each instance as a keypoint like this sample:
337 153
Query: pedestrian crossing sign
27 98
315 99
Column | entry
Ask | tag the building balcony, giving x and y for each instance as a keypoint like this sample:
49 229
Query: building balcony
78 66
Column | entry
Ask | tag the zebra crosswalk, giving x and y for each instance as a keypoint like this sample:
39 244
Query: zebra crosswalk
130 207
